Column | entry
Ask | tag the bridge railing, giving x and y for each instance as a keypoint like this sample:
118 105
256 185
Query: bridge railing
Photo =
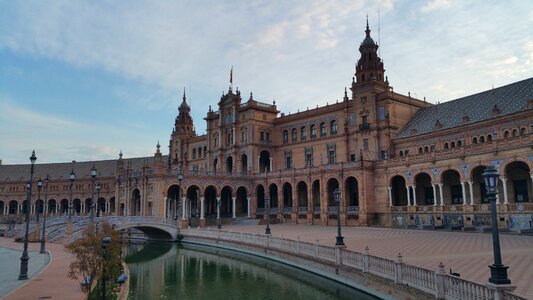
438 283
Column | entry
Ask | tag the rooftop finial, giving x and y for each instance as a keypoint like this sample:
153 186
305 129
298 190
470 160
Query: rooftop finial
184 98
120 154
158 146
367 27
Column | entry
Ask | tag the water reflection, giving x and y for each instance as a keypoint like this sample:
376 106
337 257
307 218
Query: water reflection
166 271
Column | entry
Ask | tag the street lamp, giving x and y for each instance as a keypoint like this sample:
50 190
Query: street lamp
93 176
219 226
337 196
43 237
98 187
72 177
498 272
38 203
180 178
105 243
267 211
24 258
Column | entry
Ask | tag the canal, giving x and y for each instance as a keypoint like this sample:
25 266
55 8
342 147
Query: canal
171 271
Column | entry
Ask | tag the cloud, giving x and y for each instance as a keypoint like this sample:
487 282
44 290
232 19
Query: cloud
434 5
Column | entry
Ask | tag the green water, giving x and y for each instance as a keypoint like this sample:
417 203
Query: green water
169 271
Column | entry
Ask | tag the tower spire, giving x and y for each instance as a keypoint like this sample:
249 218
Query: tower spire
184 98
367 27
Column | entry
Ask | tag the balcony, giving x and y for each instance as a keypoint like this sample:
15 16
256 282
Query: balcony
364 126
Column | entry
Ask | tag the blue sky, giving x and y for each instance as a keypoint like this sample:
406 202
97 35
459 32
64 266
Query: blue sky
81 80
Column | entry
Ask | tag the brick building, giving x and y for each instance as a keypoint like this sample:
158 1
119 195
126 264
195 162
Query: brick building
397 160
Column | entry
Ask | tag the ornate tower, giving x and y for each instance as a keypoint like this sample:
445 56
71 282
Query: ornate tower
181 134
369 67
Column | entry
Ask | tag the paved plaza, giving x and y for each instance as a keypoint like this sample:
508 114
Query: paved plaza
468 254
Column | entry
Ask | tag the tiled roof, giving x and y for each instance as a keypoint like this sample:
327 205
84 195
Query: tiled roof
105 168
508 99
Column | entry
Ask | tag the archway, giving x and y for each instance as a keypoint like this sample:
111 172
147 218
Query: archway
264 161
192 204
273 192
226 202
332 185
302 195
260 196
88 206
39 206
112 205
135 203
63 206
452 190
100 208
12 207
52 205
478 185
173 202
351 191
241 203
316 196
399 191
76 206
210 198
518 178
287 197
424 189
2 207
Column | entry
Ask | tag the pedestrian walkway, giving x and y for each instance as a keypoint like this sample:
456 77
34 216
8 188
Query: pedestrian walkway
48 283
468 254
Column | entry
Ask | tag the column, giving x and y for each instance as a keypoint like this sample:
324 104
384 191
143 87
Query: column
202 209
166 207
233 206
249 203
504 184
271 159
471 188
408 195
390 195
414 195
434 195
19 208
218 207
82 209
58 207
32 209
234 138
463 190
258 164
183 208
441 195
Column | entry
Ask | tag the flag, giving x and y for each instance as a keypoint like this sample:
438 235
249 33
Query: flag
231 76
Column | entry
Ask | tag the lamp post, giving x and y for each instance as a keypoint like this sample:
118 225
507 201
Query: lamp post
219 226
337 196
38 203
267 211
24 258
98 187
43 236
105 243
180 178
93 176
72 177
498 272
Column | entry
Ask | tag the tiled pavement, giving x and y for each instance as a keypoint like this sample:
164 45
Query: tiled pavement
466 253
51 283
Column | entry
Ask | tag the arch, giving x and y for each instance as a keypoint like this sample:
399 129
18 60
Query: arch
241 203
229 164
446 146
424 189
426 149
478 185
2 207
399 191
226 201
273 193
459 143
452 145
215 164
515 132
481 139
191 205
489 138
506 134
52 206
100 207
518 182
39 206
244 163
452 190
331 185
312 129
76 206
420 150
88 202
294 134
13 207
285 136
287 195
333 127
323 130
351 191
135 202
474 140
302 194
523 131
315 195
210 201
264 161
112 205
260 196
303 133
63 206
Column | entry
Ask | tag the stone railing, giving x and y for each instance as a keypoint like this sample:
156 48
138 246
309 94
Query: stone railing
438 283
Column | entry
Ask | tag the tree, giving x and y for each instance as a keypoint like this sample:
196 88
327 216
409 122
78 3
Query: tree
89 256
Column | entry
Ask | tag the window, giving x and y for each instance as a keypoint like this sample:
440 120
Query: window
420 150
262 136
482 139
285 136
331 153
365 120
199 152
268 136
294 135
205 151
426 149
457 194
288 160
459 143
365 144
381 112
489 138
215 138
303 133
308 157
474 140
323 131
401 153
351 119
352 157
193 153
228 139
313 131
446 146
333 126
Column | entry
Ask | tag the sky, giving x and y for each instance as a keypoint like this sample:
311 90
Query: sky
83 80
